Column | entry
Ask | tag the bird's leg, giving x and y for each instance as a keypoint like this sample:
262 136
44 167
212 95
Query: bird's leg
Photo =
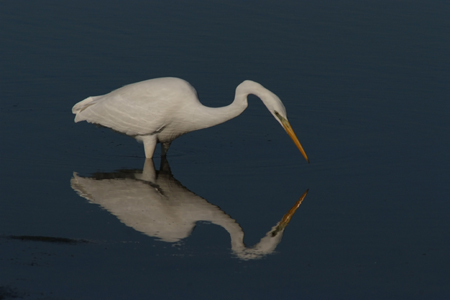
149 172
149 145
164 148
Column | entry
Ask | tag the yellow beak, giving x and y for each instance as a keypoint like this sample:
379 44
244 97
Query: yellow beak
291 133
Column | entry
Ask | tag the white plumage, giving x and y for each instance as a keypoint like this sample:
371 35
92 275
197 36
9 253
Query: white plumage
160 110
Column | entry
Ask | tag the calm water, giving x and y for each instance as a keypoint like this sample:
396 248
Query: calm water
366 86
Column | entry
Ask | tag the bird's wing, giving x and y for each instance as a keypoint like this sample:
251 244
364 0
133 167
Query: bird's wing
133 109
140 108
121 115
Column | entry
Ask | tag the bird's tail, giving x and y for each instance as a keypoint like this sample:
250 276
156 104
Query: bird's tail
83 104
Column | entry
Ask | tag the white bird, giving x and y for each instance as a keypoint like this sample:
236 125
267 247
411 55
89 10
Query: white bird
162 109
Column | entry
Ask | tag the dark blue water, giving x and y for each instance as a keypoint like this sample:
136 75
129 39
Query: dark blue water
366 86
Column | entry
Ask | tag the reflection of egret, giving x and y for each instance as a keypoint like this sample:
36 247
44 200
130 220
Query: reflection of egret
160 110
156 204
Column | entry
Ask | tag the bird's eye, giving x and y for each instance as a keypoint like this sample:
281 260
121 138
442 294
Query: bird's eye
280 117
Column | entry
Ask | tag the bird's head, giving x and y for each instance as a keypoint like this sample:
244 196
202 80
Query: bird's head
273 104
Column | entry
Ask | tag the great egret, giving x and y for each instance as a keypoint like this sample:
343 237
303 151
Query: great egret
160 110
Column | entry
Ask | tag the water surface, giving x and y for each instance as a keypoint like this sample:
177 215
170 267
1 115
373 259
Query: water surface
366 89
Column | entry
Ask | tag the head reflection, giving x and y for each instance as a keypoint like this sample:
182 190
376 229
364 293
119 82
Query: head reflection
156 204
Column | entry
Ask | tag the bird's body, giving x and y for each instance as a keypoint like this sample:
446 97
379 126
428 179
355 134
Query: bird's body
162 109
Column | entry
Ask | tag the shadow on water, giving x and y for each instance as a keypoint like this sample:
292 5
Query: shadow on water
47 239
156 204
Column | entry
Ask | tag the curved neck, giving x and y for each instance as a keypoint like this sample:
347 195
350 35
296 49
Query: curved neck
211 116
